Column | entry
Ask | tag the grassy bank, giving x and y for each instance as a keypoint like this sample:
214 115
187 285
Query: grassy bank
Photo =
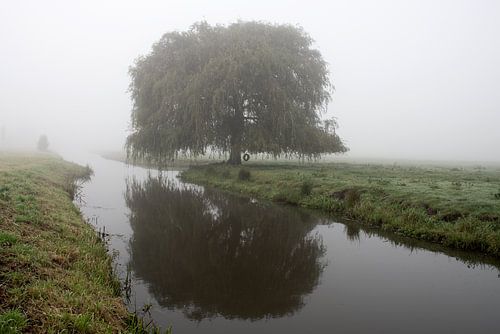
55 274
456 207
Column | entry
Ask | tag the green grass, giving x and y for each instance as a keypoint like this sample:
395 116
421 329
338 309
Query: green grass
12 322
55 273
452 206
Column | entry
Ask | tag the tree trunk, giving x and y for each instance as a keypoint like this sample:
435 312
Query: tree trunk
235 154
236 137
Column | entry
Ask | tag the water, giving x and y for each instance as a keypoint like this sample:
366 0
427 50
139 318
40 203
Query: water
209 262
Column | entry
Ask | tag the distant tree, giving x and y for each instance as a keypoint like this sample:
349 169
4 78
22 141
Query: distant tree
249 86
43 143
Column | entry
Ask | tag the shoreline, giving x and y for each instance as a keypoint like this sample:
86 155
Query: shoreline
55 271
421 203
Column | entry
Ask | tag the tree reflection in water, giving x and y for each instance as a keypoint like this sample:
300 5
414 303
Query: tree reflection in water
210 254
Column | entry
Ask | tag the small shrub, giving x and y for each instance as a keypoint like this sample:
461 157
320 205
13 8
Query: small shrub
352 197
497 195
43 143
244 174
306 187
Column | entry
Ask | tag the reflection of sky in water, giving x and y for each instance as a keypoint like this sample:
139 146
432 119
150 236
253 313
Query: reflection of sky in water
373 281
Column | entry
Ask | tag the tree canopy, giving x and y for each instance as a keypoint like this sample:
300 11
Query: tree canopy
249 86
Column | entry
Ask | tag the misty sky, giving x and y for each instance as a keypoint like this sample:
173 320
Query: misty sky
414 79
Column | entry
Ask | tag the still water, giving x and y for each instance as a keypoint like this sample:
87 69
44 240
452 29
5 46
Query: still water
209 262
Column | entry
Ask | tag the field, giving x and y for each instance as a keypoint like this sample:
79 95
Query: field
55 274
457 207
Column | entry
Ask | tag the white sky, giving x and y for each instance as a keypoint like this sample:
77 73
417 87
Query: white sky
414 79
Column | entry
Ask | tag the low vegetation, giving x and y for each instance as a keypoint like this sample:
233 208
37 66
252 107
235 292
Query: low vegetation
55 273
455 207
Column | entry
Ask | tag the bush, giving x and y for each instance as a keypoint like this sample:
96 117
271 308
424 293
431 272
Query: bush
306 187
43 143
244 174
352 197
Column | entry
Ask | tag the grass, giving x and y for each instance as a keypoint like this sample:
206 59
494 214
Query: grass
455 207
12 322
55 273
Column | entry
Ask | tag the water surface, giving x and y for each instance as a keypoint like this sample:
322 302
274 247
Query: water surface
209 262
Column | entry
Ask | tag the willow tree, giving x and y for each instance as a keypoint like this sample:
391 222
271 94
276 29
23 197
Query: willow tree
249 86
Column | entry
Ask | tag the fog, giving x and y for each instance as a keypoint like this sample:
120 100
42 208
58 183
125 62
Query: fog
414 79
